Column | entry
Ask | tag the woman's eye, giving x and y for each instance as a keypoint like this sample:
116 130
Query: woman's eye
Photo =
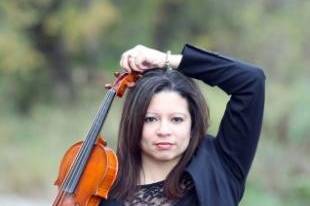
149 119
177 119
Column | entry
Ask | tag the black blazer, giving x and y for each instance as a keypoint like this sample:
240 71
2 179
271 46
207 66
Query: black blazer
221 164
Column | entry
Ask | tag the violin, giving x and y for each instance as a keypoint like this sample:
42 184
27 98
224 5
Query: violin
89 168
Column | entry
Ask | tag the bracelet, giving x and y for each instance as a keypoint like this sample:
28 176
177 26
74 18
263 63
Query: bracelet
167 62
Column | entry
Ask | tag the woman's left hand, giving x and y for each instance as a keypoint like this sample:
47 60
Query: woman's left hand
141 58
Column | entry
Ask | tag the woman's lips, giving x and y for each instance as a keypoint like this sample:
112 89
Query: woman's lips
164 145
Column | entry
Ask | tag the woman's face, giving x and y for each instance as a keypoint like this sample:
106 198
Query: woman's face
167 127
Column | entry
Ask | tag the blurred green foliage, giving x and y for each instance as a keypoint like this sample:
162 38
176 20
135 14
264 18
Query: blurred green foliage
55 57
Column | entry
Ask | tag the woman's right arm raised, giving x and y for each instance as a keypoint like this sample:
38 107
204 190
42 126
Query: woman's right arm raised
241 124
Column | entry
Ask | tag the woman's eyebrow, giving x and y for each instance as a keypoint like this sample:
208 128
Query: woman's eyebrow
172 113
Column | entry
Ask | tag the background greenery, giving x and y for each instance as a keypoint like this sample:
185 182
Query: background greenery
55 57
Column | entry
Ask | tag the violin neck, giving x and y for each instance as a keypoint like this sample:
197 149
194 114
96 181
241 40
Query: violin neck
80 161
100 117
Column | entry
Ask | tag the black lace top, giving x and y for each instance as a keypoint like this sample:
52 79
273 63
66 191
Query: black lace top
153 194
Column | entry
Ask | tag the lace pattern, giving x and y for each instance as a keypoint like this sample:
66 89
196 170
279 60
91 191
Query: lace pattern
153 194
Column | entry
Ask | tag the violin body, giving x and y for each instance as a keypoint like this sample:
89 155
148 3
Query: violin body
97 178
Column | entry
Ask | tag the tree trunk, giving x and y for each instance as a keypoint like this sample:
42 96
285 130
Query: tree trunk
53 48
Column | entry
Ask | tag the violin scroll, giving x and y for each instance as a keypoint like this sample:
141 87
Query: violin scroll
123 81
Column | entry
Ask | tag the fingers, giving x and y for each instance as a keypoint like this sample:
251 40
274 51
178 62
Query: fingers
124 63
140 61
132 62
136 59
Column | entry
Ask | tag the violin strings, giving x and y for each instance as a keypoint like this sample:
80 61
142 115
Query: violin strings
74 174
86 146
76 164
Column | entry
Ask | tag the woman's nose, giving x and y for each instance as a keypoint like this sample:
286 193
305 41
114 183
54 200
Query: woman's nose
164 129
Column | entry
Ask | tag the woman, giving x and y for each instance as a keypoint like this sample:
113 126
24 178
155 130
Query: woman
165 155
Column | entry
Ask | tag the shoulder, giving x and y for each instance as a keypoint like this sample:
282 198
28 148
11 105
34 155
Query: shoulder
208 172
207 143
207 160
205 151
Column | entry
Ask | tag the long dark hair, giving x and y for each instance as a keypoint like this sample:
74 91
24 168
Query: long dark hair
130 131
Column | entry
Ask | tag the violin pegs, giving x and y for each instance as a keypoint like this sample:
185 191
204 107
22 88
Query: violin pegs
116 74
108 86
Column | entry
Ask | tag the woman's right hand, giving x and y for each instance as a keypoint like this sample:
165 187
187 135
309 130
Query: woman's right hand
141 58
